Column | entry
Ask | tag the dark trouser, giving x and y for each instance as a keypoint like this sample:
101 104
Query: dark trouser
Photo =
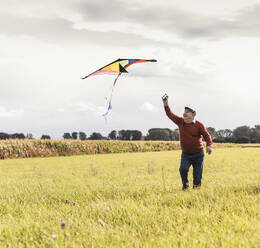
196 160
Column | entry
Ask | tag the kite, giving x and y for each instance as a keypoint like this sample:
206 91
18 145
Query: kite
117 67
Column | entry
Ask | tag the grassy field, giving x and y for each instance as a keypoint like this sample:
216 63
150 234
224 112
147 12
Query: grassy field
130 200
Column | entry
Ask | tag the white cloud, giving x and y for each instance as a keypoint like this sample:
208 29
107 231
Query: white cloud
4 113
89 107
60 110
147 106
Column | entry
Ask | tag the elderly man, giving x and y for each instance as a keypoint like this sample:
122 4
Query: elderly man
191 133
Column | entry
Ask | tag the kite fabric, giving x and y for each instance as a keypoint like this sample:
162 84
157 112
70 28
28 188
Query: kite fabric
116 68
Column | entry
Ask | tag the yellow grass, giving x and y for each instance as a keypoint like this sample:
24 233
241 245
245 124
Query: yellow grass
130 200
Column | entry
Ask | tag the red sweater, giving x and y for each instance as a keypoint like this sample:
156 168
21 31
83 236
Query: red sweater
190 133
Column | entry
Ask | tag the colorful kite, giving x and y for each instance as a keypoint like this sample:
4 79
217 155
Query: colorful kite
116 68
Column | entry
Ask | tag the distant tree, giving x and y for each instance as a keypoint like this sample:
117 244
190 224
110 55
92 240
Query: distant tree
221 134
74 135
257 127
242 139
129 135
254 135
4 136
136 135
175 134
124 135
14 136
17 136
45 136
96 136
257 138
112 135
82 136
224 133
242 131
21 136
219 140
230 139
228 133
159 134
171 133
212 132
67 136
29 136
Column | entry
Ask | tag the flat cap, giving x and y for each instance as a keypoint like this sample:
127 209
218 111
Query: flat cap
191 110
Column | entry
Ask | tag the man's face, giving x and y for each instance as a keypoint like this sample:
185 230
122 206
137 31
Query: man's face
188 116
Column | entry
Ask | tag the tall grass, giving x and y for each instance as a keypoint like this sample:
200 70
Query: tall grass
47 148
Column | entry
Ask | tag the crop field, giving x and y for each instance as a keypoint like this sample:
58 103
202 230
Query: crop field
29 148
130 200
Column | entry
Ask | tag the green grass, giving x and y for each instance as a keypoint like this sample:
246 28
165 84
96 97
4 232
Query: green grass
130 200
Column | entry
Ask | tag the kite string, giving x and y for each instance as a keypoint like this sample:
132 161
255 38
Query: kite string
110 98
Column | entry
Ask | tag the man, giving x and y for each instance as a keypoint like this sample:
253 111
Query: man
191 133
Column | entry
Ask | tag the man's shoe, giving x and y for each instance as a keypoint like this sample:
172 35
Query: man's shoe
196 186
185 187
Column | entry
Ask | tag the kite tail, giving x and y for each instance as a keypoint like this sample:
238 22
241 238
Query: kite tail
110 98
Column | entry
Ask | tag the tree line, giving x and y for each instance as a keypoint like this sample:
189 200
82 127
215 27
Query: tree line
242 134
4 136
153 134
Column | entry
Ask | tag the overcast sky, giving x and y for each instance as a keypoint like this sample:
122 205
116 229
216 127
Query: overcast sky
208 56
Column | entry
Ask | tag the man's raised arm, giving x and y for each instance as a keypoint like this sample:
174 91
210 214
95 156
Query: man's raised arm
175 118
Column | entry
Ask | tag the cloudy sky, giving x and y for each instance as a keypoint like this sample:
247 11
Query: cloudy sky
208 56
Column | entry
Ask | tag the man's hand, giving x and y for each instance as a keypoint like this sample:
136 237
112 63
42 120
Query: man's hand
209 149
165 100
